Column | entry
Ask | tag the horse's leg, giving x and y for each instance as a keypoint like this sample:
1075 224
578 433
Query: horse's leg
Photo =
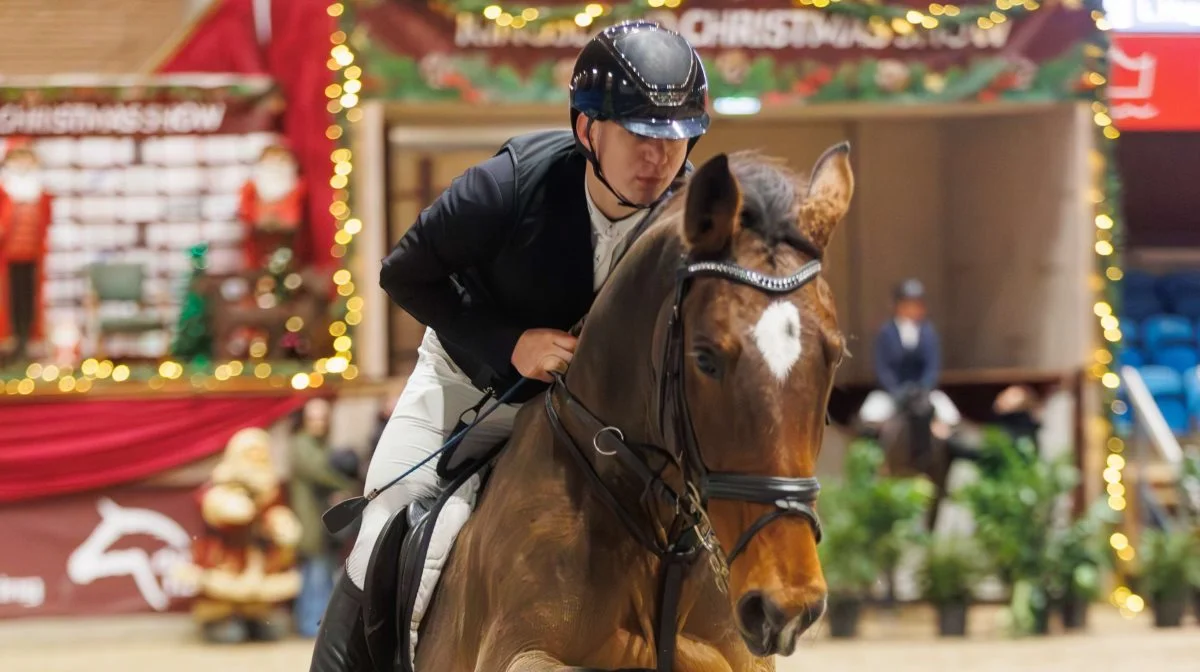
940 475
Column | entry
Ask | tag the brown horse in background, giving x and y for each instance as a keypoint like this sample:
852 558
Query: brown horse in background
717 384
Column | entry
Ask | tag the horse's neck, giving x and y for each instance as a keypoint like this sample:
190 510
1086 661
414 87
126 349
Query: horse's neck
615 365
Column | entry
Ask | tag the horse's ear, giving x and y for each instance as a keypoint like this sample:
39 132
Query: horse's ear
713 202
829 192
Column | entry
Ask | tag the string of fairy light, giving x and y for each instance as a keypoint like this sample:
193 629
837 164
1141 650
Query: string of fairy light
901 20
1106 216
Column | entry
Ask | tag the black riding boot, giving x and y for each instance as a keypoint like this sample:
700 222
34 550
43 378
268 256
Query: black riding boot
341 645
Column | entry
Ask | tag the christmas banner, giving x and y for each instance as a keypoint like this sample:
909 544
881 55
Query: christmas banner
121 203
779 52
103 552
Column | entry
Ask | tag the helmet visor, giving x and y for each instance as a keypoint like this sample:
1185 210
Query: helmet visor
667 129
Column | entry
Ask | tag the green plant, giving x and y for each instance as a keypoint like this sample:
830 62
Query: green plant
951 569
845 551
868 520
1013 504
1079 552
1170 562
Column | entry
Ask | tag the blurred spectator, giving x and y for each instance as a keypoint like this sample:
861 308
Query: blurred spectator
314 478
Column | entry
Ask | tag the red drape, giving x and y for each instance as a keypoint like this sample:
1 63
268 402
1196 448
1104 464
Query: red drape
295 58
57 447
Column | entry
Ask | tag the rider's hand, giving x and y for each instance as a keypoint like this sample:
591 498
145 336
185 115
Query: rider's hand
541 351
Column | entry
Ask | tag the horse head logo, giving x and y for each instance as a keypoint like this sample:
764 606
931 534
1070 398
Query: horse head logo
95 559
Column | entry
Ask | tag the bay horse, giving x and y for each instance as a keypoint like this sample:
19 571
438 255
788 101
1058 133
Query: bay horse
682 439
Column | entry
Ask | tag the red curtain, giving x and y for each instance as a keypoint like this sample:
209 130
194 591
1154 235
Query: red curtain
295 57
57 447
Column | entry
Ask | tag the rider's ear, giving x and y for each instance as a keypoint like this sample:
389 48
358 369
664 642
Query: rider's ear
829 192
713 202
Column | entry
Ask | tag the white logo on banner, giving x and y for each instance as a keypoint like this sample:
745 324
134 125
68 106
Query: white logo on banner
151 572
27 591
1145 66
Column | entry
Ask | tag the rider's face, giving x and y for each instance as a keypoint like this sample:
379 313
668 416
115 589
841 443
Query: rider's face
639 168
911 309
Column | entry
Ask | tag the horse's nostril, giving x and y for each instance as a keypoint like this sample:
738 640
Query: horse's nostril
760 615
811 614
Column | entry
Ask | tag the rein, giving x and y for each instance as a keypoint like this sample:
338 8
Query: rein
678 543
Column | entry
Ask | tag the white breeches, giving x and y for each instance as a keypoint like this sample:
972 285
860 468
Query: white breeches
879 407
436 395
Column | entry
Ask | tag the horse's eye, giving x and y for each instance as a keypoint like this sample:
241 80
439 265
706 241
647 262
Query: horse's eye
708 363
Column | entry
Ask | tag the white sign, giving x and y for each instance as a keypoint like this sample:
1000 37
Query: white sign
1153 16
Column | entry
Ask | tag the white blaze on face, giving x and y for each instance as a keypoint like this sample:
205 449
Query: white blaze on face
777 336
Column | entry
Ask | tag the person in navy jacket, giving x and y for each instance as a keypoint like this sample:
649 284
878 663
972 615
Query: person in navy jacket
908 359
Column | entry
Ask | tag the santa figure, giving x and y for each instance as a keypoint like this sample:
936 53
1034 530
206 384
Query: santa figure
272 205
25 210
244 565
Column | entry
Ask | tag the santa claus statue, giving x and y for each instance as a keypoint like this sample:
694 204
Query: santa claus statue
244 565
272 205
25 210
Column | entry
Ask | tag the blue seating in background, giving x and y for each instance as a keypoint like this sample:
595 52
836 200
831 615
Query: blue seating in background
1162 381
1130 357
1160 326
1141 303
1163 331
1131 333
1175 413
1178 357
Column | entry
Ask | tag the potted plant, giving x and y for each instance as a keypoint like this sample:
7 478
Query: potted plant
1169 568
846 560
947 578
1077 554
889 511
1014 504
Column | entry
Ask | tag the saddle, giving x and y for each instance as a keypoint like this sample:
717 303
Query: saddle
397 563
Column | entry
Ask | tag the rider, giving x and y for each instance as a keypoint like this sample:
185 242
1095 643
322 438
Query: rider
908 359
509 258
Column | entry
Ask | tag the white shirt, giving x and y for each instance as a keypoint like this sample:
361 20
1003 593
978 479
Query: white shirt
609 238
910 333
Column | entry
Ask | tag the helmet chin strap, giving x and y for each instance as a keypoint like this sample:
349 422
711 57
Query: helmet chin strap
595 161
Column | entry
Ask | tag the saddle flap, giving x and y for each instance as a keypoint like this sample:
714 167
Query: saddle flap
380 586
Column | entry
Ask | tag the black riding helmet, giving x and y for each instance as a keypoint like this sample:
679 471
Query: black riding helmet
644 77
910 288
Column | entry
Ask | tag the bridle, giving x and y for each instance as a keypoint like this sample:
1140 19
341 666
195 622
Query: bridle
678 543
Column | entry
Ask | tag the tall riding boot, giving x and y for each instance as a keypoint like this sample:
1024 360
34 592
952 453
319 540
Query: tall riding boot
341 645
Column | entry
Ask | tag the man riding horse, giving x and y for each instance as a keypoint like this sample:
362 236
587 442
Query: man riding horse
493 268
908 361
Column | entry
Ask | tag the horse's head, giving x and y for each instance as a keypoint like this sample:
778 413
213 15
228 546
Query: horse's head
758 360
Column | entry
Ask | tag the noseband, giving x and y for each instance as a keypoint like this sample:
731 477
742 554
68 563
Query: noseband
691 531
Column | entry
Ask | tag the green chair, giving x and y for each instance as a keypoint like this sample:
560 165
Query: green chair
123 282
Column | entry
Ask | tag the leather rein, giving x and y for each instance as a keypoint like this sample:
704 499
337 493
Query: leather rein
678 543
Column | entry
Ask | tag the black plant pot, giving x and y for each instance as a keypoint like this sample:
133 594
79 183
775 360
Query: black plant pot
1196 603
1075 612
952 619
843 616
1168 610
1041 620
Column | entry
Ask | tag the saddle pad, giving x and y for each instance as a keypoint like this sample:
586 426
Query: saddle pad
450 520
426 550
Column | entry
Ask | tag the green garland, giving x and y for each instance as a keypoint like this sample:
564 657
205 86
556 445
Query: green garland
931 16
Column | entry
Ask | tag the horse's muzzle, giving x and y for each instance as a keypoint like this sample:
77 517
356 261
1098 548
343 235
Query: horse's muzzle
768 630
